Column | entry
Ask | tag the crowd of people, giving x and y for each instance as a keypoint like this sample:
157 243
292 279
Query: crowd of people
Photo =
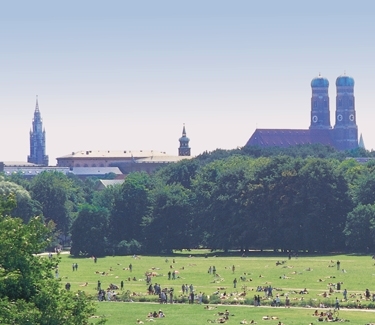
265 293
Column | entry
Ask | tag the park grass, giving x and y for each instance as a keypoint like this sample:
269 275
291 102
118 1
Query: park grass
311 272
182 314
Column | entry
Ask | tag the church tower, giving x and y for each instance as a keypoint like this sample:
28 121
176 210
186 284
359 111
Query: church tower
37 140
184 149
345 130
320 115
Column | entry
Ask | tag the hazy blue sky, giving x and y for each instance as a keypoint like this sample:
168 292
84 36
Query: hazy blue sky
122 75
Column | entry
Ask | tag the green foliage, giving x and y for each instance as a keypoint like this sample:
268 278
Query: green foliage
129 247
360 228
298 198
170 226
25 207
29 294
55 192
130 207
90 231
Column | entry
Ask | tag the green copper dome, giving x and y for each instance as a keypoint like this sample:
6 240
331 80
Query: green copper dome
319 82
345 81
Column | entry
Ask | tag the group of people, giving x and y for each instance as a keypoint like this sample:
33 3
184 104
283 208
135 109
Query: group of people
155 314
327 316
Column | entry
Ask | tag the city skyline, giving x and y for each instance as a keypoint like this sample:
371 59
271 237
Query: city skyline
127 76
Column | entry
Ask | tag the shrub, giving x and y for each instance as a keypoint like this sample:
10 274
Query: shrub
215 299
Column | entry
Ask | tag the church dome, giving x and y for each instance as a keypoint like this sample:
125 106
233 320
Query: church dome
319 82
184 139
344 81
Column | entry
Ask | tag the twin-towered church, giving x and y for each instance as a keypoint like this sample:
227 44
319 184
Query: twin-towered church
344 134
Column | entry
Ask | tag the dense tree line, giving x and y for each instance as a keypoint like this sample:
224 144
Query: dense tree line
301 198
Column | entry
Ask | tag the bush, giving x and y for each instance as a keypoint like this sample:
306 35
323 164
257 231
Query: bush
182 299
249 301
215 299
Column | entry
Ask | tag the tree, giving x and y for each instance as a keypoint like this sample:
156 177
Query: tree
323 204
219 188
130 207
89 231
360 228
55 192
170 226
179 173
365 191
25 207
29 293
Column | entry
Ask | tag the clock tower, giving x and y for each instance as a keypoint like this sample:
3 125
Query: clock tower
320 115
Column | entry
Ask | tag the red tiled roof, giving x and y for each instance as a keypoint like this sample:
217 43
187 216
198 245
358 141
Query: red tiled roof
286 138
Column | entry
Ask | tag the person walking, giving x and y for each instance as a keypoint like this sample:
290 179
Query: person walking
235 283
337 304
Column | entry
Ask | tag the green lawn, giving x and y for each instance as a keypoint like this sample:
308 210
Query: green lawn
314 273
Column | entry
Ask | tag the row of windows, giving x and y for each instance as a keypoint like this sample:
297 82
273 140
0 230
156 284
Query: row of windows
87 165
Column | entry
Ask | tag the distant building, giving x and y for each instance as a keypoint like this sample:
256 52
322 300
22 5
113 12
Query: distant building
184 149
126 160
104 183
84 172
28 170
37 140
344 135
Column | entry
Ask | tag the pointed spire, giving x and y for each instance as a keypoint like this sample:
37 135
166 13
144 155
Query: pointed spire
361 143
183 131
37 104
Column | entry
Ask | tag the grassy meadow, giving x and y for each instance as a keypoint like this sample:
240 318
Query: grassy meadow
315 273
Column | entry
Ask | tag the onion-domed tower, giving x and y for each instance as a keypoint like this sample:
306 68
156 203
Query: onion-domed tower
184 149
345 130
320 115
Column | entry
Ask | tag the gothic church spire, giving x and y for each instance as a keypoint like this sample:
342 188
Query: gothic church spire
37 140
